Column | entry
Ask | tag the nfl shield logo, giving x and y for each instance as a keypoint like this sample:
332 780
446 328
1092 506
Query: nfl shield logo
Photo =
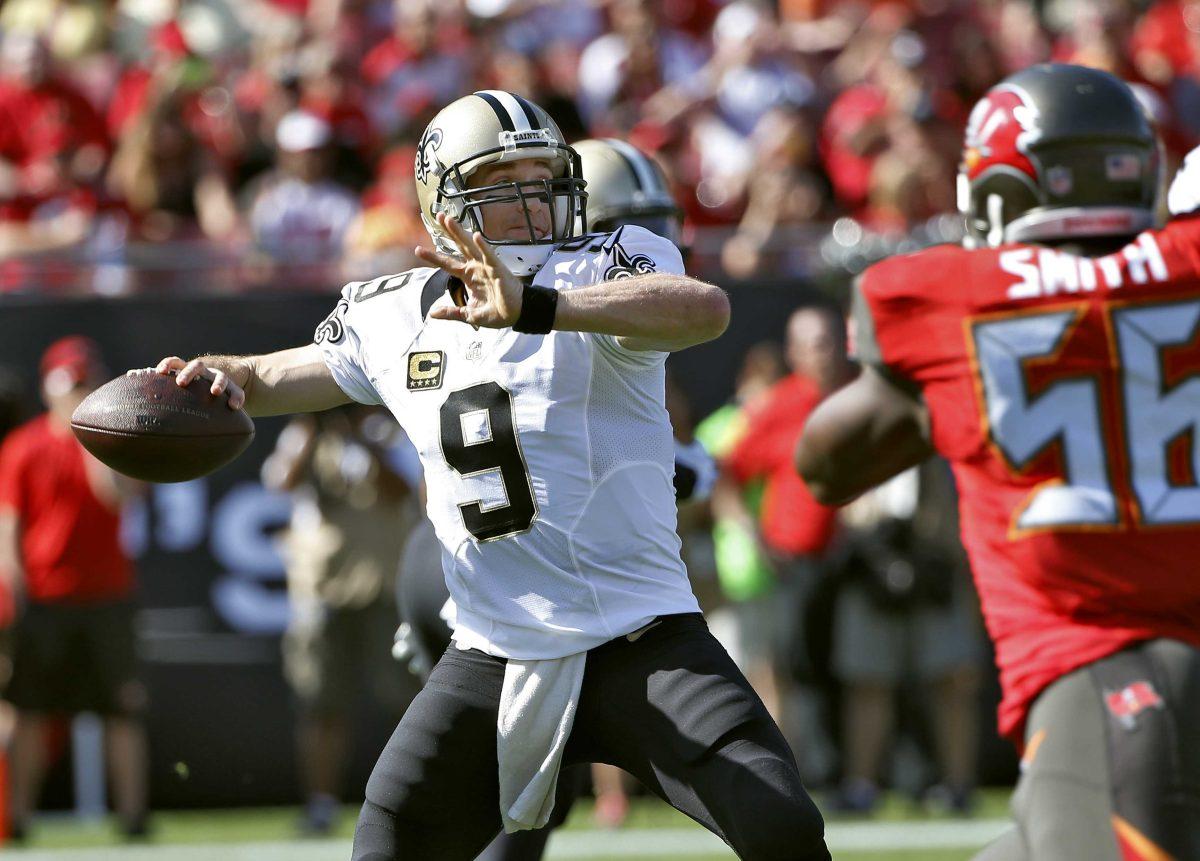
1059 180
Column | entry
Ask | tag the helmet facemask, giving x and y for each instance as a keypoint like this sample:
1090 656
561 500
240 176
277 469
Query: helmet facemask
563 195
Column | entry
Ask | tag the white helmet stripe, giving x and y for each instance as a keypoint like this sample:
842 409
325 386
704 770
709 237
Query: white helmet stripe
512 107
647 180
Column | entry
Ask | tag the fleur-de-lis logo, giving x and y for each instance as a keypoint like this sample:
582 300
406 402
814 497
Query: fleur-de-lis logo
333 327
426 160
624 266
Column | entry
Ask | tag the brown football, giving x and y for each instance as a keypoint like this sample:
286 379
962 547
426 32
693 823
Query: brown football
148 427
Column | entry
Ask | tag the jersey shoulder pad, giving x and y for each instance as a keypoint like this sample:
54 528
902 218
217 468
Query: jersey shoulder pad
631 250
906 309
424 279
930 273
402 300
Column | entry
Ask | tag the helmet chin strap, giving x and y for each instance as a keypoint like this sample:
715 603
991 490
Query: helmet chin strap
524 261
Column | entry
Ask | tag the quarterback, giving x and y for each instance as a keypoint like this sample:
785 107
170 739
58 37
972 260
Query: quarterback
624 187
1054 362
526 363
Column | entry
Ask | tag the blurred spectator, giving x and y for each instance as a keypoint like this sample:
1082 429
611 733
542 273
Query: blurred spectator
11 401
169 181
382 237
329 89
49 133
353 509
61 555
795 529
517 73
73 28
12 408
422 64
910 182
742 566
528 27
903 619
623 68
52 153
751 71
298 214
786 190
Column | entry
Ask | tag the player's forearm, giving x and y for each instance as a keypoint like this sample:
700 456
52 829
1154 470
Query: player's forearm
288 381
11 567
660 311
859 438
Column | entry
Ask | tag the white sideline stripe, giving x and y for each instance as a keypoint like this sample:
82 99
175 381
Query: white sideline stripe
651 842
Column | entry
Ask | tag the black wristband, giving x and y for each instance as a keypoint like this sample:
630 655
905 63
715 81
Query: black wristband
538 307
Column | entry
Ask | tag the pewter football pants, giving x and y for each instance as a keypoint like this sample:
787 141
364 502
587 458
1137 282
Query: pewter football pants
1112 763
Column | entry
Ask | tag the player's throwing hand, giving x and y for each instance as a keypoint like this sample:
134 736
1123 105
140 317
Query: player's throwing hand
493 292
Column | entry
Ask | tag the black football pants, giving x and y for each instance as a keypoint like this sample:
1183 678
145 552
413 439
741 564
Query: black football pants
1112 763
670 708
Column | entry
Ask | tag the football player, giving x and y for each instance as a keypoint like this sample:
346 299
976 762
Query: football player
624 187
547 456
1054 363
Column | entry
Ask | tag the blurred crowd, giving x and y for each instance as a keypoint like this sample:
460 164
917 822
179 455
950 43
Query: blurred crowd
269 143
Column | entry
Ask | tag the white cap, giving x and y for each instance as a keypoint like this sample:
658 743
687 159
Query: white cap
299 131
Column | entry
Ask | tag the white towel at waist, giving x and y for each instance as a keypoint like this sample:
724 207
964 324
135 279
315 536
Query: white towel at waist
537 708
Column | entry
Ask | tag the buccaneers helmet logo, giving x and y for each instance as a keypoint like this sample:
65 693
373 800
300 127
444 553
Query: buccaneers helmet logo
1000 130
426 160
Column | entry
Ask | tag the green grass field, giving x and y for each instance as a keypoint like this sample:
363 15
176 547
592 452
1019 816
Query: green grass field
654 832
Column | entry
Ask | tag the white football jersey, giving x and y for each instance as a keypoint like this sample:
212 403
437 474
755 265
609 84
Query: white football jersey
548 458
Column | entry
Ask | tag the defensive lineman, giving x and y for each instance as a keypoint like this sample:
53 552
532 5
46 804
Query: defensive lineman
1054 364
547 453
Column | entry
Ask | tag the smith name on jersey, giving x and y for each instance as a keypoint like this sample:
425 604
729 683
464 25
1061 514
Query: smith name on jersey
548 458
1064 391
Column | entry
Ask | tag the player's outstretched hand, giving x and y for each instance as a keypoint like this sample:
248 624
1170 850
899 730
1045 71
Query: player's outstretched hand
185 372
493 292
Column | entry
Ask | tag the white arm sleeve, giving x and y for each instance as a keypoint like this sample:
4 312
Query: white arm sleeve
342 348
1184 195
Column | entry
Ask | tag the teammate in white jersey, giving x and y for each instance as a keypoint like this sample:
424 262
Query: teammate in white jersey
526 364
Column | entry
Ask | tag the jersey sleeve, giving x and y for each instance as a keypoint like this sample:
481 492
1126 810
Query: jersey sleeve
629 252
342 347
864 346
908 314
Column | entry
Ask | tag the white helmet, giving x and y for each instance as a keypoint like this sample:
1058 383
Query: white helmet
490 127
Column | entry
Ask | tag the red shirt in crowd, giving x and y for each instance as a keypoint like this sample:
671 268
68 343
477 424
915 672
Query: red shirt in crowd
37 124
849 165
68 538
792 522
1063 391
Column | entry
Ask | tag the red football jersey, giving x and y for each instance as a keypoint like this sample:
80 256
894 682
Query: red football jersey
1065 392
